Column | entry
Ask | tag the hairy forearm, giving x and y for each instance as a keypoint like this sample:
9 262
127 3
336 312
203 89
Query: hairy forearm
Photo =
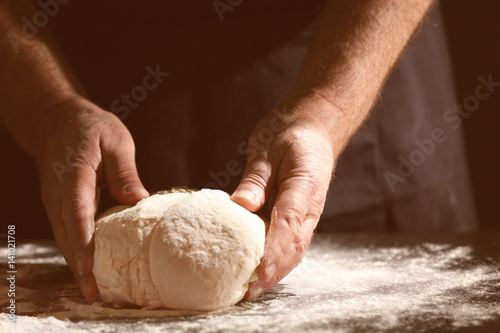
356 45
33 77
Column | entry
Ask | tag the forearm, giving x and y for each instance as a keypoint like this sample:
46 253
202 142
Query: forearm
356 45
34 78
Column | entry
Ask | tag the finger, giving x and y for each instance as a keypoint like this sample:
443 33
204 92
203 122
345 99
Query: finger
293 257
79 205
121 172
252 190
86 282
297 199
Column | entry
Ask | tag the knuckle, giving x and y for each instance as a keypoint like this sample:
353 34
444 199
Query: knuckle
257 174
120 136
314 186
309 183
300 249
82 155
293 220
292 136
112 117
310 198
115 139
294 216
275 279
255 180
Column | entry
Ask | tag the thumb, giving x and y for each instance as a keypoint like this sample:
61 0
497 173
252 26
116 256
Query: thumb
121 174
254 185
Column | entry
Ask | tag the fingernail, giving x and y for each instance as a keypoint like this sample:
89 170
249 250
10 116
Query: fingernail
270 271
255 293
135 188
245 194
86 288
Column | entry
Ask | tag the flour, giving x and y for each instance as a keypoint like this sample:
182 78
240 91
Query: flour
338 287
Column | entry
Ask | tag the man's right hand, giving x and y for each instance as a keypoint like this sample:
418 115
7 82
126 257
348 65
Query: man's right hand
80 147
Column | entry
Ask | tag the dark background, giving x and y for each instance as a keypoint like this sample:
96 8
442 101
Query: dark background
474 40
474 36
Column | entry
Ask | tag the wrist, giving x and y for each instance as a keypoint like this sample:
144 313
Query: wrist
311 105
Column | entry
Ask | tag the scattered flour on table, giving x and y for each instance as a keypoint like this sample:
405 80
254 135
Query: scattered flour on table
337 288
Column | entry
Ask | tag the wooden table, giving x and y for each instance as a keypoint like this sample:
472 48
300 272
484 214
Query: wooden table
346 283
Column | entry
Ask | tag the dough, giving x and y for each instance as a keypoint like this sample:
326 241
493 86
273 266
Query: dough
183 249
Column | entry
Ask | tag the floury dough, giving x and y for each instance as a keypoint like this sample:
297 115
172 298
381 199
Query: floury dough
182 249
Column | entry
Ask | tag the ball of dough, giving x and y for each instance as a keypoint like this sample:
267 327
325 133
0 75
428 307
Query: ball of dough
192 250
